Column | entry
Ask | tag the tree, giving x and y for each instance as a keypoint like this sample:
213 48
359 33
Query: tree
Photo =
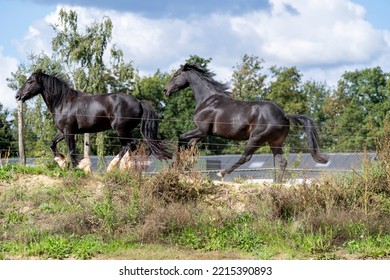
360 106
7 140
318 97
247 79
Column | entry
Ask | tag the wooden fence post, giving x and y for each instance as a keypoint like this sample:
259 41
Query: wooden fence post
22 154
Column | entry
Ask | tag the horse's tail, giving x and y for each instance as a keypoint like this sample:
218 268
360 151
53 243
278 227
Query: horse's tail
312 136
149 129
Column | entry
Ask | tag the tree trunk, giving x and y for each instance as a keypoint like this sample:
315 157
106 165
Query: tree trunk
22 154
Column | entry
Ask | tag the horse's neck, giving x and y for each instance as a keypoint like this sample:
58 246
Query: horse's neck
54 102
201 89
49 101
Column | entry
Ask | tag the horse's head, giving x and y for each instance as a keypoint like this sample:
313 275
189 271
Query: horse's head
31 87
179 81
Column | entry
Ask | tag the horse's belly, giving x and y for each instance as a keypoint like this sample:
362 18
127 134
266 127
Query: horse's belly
99 125
241 132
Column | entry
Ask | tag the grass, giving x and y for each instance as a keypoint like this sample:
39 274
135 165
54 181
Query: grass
48 213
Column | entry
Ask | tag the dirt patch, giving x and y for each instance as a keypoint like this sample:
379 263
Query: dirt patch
30 182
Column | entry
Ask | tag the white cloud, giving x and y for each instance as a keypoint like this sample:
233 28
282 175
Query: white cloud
318 33
323 38
7 95
314 35
37 39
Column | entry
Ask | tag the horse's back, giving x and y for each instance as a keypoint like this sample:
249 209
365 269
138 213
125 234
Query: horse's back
225 107
121 104
236 119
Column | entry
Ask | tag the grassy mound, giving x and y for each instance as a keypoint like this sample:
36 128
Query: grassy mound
50 213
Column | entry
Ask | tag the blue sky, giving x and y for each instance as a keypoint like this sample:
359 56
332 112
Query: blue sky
323 39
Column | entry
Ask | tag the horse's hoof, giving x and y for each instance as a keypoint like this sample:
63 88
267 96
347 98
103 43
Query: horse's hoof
61 160
113 164
85 165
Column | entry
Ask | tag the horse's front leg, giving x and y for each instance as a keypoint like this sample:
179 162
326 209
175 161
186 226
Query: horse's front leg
58 157
71 143
194 136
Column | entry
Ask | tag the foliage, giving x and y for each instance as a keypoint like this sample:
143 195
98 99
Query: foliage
7 139
359 108
248 82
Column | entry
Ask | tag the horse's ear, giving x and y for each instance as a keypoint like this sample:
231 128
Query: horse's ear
186 66
39 74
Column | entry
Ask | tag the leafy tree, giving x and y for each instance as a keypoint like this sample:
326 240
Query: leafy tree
360 106
318 95
248 80
286 90
7 139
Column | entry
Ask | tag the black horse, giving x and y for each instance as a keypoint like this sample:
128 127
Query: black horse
75 112
259 122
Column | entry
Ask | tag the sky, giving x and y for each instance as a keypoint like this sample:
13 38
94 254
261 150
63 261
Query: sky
322 38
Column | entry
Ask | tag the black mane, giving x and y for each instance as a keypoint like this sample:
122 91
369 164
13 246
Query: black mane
57 90
207 76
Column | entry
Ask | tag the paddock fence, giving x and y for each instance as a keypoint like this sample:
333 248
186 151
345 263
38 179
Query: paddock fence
260 168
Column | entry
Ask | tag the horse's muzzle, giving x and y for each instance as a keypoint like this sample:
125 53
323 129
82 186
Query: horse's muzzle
166 92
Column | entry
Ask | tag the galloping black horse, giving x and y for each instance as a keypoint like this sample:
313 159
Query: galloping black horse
75 112
217 113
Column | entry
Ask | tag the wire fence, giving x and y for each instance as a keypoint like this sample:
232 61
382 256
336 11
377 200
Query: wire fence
261 165
300 166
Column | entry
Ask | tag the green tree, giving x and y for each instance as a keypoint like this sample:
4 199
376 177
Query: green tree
7 139
361 102
318 95
286 90
248 81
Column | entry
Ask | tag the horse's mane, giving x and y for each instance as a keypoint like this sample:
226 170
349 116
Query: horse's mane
207 76
57 89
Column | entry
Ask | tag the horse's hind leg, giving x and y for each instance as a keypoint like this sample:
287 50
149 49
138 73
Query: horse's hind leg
279 157
128 144
253 144
71 143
